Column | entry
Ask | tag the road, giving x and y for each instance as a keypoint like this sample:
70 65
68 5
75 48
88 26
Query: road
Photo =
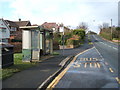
94 68
108 50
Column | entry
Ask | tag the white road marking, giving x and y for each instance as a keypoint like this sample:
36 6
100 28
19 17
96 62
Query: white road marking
115 48
98 52
106 44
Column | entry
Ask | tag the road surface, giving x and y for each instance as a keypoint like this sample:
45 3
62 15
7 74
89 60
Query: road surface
94 68
108 50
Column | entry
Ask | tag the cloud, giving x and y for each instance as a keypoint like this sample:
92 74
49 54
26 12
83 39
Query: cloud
69 12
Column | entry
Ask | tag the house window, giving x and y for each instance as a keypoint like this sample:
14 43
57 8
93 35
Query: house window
13 28
3 40
2 29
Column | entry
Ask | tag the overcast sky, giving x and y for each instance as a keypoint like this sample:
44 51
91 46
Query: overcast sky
68 12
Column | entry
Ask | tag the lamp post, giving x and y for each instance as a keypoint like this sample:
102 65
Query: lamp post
63 38
62 30
111 29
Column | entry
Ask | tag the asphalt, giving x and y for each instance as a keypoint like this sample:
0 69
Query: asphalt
88 71
96 68
35 76
108 50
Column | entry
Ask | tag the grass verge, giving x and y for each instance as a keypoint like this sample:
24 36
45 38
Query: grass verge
17 67
55 53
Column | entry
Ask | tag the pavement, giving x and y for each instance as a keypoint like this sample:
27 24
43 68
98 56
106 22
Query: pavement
35 76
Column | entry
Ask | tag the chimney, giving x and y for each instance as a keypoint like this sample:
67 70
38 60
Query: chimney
19 19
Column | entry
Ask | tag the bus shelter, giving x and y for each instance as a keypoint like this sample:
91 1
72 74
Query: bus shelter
36 41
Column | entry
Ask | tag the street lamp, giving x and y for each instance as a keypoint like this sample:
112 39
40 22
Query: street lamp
62 29
111 29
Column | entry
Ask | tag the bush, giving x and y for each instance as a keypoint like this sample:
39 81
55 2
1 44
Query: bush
71 41
79 32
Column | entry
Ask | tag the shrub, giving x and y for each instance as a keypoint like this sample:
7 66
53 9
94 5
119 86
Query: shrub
79 32
72 41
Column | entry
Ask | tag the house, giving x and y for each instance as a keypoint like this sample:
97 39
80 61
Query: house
37 41
52 26
4 31
15 31
66 29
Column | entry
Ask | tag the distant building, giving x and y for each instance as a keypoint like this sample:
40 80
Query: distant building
52 26
119 13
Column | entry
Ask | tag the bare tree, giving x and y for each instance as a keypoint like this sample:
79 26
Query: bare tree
100 26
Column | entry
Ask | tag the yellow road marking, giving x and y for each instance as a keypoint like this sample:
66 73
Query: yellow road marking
85 65
111 70
57 79
95 65
77 65
90 59
86 59
90 64
118 80
96 59
83 59
98 65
